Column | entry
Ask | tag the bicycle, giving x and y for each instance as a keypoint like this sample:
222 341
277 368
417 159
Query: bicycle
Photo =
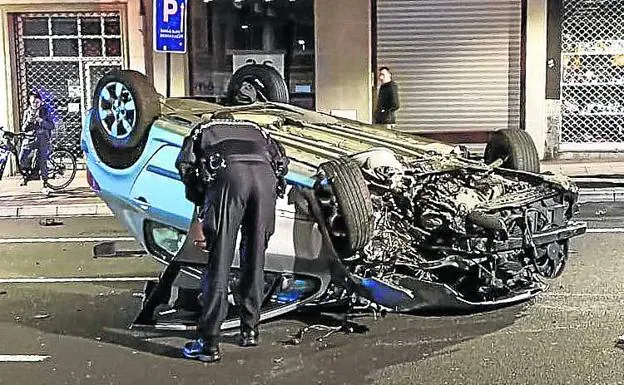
61 163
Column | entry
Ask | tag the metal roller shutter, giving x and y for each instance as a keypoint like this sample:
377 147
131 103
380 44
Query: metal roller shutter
456 62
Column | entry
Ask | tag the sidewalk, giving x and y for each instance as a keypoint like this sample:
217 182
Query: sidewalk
599 181
78 199
585 169
28 201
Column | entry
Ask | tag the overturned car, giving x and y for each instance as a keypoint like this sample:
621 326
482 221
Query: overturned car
398 222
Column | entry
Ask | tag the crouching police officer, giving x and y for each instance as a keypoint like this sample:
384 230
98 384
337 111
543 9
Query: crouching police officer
240 171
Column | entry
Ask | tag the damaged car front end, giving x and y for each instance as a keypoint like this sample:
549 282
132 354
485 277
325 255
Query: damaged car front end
453 234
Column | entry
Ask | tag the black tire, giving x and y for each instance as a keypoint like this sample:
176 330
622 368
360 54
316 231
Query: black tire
354 202
268 85
61 169
516 148
122 149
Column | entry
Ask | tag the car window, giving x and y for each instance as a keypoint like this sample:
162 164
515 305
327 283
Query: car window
163 240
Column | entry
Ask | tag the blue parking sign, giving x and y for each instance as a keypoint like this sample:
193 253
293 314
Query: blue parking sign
170 26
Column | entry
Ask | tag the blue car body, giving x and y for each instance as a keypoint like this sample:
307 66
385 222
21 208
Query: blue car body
150 188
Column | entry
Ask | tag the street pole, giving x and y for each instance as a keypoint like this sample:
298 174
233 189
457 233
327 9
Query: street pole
168 70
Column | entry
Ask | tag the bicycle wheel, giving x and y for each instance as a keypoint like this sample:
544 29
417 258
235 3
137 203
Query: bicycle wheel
61 169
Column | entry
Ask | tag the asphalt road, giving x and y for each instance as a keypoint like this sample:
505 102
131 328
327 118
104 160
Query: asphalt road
77 332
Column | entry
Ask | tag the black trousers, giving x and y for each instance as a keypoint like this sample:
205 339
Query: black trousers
242 197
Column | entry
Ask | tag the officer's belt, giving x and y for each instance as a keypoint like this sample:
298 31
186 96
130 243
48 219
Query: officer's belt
246 158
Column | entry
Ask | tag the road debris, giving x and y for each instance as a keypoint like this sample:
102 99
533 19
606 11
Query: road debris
347 327
50 222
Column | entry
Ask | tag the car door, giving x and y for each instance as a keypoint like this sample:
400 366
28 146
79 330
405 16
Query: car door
159 192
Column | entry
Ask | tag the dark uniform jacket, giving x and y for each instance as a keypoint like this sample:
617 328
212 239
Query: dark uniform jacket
204 151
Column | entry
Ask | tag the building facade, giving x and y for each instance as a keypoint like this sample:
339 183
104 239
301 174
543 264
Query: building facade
464 68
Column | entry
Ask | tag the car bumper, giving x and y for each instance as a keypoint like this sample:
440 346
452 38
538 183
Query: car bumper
572 229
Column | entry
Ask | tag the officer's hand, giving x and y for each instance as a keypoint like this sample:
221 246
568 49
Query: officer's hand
186 170
281 187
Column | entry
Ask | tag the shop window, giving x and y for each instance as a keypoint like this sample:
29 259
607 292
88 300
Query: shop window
36 26
65 47
113 47
37 47
224 33
91 47
91 26
111 26
64 26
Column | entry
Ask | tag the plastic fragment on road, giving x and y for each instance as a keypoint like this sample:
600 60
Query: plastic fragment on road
50 222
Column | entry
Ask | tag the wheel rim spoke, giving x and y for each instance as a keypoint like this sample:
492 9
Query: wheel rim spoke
105 95
113 129
119 88
126 126
130 106
104 114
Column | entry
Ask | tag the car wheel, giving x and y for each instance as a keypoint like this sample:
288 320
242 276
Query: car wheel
257 82
125 104
351 225
516 149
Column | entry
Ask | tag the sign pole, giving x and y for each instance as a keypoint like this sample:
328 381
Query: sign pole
169 32
168 70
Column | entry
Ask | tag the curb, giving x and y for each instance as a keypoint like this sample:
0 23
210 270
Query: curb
596 195
615 194
34 211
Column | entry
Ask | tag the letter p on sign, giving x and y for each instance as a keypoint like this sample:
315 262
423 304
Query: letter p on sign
170 8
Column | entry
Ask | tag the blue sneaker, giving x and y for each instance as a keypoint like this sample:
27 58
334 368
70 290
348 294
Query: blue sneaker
202 350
